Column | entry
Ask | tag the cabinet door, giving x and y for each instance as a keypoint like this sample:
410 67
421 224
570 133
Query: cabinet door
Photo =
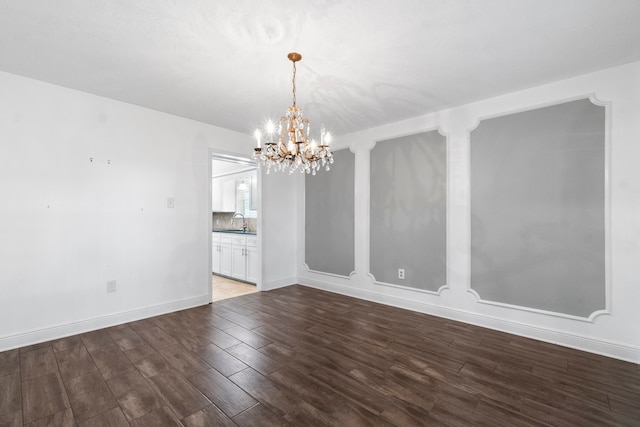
238 257
215 257
216 194
252 264
225 259
238 263
229 195
215 252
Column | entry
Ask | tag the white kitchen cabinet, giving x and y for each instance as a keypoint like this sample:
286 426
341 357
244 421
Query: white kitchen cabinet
227 198
251 254
225 255
229 195
221 254
235 256
238 258
223 194
215 252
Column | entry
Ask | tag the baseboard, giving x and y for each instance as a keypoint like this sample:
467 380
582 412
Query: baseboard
61 331
280 283
578 342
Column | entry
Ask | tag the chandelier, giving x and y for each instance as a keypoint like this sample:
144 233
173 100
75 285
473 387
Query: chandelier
293 150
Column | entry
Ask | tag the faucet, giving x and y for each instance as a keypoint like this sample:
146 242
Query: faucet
244 222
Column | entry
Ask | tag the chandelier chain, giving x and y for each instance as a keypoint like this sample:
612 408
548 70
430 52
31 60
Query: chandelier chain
294 83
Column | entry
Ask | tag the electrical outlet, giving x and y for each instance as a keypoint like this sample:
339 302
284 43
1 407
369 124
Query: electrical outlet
171 202
401 273
111 286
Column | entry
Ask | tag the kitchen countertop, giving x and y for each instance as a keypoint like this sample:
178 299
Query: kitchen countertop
251 233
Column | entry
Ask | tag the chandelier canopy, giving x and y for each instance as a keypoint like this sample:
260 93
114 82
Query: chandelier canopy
293 150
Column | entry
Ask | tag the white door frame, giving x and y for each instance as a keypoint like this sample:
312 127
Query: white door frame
213 152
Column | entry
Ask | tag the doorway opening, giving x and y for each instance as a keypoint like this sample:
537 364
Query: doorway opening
235 261
222 288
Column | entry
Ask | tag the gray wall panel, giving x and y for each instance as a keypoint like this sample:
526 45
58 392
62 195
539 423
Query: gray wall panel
329 217
538 209
408 211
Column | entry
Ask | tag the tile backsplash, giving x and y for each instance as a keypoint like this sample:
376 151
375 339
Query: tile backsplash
222 221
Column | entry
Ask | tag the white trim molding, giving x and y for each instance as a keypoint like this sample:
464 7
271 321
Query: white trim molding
591 317
409 288
575 341
447 143
87 325
325 273
280 283
607 204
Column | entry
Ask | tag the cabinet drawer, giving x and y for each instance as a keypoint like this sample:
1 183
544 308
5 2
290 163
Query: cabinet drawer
239 240
225 238
215 237
252 241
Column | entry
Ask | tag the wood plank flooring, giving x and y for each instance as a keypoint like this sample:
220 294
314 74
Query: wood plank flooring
303 357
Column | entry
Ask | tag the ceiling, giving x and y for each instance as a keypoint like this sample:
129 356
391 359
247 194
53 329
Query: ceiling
365 62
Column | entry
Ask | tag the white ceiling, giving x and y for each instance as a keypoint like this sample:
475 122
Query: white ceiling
365 62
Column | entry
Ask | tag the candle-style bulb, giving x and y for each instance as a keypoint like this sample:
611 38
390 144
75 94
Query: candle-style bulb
327 138
270 128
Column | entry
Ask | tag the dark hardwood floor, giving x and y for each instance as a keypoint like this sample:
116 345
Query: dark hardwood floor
303 357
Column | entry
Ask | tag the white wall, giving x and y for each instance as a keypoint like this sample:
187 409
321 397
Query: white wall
69 225
277 230
616 333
